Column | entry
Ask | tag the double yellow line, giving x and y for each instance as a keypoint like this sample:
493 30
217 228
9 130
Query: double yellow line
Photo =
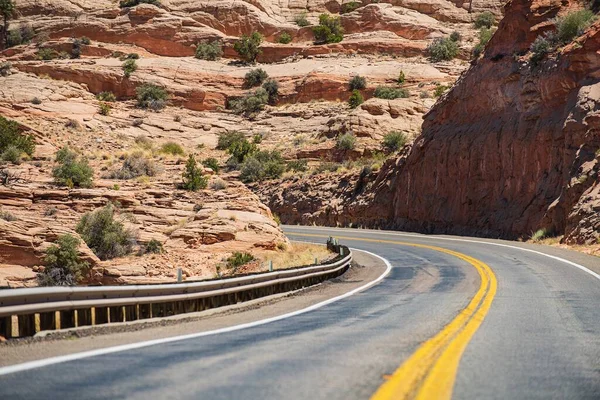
431 370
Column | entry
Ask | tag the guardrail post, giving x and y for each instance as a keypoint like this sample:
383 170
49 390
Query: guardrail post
108 315
14 326
57 320
93 315
270 265
179 275
37 322
75 318
137 311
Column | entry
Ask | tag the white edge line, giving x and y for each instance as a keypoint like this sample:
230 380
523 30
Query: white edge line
109 350
579 266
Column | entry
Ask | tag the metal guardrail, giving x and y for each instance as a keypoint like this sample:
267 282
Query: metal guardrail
24 312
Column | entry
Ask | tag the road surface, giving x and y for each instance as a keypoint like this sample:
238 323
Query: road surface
465 318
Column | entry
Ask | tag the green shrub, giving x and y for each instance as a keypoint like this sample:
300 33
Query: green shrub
539 48
134 165
573 24
329 30
104 108
227 139
210 51
301 20
442 49
5 68
284 38
241 149
394 141
327 167
349 7
357 82
151 96
347 141
439 90
11 154
297 166
262 165
238 259
36 101
271 86
105 236
248 47
133 3
539 235
128 56
62 264
172 148
154 246
193 178
72 170
484 20
76 50
144 142
106 96
255 77
401 78
10 136
356 99
251 103
46 54
14 37
218 184
455 37
85 40
257 139
129 67
485 35
390 93
212 163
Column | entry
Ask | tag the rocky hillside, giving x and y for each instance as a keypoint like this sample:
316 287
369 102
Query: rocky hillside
511 150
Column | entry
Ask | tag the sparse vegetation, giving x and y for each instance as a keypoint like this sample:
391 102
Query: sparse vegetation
390 93
151 96
104 108
212 163
193 178
62 264
218 184
255 77
36 101
154 246
357 82
573 24
271 86
210 51
105 236
329 30
327 166
10 137
345 142
356 99
228 139
47 54
484 20
394 141
106 96
129 67
439 90
238 259
134 165
262 165
7 10
297 166
248 47
7 216
251 103
401 78
539 48
442 49
284 38
5 68
172 148
485 35
301 20
72 170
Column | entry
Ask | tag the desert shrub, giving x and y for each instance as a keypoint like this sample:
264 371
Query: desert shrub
262 165
134 165
394 141
401 78
248 47
297 166
357 83
7 216
36 101
238 259
129 67
104 108
85 40
257 139
347 141
151 96
137 122
193 178
11 154
5 68
129 56
14 37
255 77
46 54
390 93
154 246
218 184
63 266
240 150
539 235
10 136
484 20
104 235
485 35
455 37
210 51
251 103
284 38
172 148
442 49
301 20
356 99
212 163
329 30
73 124
439 90
349 7
72 169
133 3
539 48
573 24
424 94
227 139
106 96
76 49
271 86
327 166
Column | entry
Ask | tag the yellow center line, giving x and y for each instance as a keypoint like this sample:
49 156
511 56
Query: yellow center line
430 372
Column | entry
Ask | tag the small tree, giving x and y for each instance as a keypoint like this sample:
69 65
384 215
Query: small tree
193 178
573 24
284 38
248 47
10 136
7 10
72 170
329 30
212 163
129 67
255 77
484 20
106 237
442 49
209 51
63 266
357 83
251 103
272 88
485 35
346 142
356 99
394 141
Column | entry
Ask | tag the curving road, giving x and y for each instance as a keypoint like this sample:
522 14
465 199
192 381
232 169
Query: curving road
537 336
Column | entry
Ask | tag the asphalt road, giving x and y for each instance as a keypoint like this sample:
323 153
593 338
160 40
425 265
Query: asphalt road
540 338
